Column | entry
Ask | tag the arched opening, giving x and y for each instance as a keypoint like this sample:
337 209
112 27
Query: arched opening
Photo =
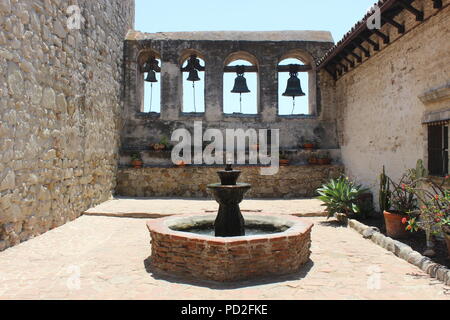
240 84
152 89
193 68
293 88
149 82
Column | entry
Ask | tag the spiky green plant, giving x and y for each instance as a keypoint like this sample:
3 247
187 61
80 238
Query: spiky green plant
341 196
385 192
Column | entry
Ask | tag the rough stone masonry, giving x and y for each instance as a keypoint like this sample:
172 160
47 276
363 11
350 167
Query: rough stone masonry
60 98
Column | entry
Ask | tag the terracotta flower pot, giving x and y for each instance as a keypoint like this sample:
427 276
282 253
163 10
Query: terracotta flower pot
395 227
284 163
309 146
312 160
181 164
159 147
324 161
137 164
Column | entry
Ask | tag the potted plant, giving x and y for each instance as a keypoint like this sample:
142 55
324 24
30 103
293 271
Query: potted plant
324 159
434 211
341 196
166 143
443 217
284 161
136 161
313 160
163 144
309 144
400 206
365 203
181 164
446 231
158 146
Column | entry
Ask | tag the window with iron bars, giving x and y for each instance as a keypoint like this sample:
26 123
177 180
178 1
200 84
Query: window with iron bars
438 149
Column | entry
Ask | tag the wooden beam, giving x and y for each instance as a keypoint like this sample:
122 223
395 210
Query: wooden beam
414 11
437 4
333 74
400 27
253 69
146 68
358 58
383 36
366 52
201 69
344 57
300 68
343 66
375 45
247 69
350 62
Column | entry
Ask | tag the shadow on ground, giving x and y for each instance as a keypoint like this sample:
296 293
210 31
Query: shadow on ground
331 223
160 275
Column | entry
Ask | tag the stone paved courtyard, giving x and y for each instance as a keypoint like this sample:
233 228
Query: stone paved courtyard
98 257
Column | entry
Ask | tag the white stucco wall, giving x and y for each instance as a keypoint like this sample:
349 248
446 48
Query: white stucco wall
380 113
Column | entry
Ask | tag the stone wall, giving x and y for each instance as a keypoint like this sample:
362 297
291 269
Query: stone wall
60 100
191 181
379 109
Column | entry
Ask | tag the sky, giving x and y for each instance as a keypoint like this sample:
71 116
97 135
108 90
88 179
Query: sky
336 16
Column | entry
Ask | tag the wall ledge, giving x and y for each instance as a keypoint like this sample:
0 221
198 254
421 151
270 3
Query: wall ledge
436 116
436 95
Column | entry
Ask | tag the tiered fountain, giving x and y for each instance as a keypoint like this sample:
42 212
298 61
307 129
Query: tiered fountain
229 194
226 247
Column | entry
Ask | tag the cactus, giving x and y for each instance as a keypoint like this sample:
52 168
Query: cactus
420 171
385 192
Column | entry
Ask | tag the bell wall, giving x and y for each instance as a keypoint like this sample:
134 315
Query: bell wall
264 49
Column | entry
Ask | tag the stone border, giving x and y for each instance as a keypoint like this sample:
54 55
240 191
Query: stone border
402 251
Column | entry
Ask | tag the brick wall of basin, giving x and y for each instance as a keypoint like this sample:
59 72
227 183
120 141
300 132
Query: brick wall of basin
230 259
290 182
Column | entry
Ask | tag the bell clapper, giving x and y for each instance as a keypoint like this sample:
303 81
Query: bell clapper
193 88
293 105
151 96
240 102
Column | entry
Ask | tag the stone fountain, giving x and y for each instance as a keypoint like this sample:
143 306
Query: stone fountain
226 247
229 194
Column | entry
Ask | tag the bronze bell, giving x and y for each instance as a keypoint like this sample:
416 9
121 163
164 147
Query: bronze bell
294 88
151 76
240 85
193 75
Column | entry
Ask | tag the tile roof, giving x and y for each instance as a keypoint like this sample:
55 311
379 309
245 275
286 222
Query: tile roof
360 26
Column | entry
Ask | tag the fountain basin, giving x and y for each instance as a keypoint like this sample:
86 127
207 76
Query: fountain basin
177 250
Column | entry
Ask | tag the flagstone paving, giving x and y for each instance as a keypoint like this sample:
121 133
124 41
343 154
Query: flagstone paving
99 257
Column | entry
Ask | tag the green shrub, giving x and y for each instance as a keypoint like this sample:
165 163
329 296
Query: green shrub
341 196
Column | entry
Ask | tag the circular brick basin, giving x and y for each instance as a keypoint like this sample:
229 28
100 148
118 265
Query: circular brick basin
203 257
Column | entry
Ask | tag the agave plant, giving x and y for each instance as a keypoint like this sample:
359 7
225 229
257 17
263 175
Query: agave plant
341 196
